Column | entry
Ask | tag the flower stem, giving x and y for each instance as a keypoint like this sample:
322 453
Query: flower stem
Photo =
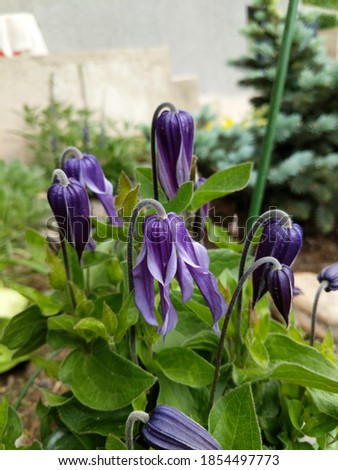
275 102
131 229
70 151
322 286
157 112
218 360
67 269
131 420
262 219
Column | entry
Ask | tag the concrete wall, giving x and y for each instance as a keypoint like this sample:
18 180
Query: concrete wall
137 52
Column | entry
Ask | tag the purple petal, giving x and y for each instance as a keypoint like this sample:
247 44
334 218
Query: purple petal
144 288
280 283
170 429
185 280
174 133
107 200
196 260
329 274
169 314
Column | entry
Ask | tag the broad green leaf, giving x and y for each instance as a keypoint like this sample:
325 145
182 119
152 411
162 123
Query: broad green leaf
126 317
326 402
6 359
103 380
130 201
47 305
3 416
233 421
108 231
25 332
184 366
124 186
10 425
53 399
93 325
92 258
57 274
221 184
62 322
75 267
144 177
63 439
222 259
83 420
114 443
182 199
202 311
206 340
297 363
109 319
296 411
37 245
191 401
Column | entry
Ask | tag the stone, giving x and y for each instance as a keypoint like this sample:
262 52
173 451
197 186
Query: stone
327 310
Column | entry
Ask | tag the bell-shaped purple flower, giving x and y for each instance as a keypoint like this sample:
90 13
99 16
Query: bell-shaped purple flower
280 284
168 251
170 429
86 169
69 202
283 243
330 275
175 135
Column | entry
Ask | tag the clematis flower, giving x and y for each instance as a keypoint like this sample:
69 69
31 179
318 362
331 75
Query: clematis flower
283 243
86 169
69 202
330 275
169 251
170 429
280 284
174 134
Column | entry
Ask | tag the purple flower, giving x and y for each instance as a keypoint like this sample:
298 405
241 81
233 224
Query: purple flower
170 429
169 251
175 135
70 204
283 243
88 171
280 283
330 275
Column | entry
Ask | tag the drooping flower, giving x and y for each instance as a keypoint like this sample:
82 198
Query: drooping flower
169 251
69 202
170 429
175 135
330 275
283 243
280 284
86 169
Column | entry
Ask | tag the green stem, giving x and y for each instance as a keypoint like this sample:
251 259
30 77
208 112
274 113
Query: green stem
218 360
30 382
131 229
68 270
322 286
131 420
157 112
262 219
275 102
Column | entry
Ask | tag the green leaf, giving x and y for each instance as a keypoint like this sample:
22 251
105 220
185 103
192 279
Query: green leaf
109 319
114 443
93 325
103 380
25 332
221 184
233 421
144 177
57 274
124 186
182 199
326 402
83 420
221 259
130 201
63 439
108 231
47 305
37 244
92 258
53 399
127 316
297 363
184 366
6 359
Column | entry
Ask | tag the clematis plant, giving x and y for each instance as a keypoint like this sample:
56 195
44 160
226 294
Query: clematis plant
167 252
86 169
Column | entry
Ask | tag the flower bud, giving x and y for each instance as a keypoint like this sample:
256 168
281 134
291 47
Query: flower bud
330 275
